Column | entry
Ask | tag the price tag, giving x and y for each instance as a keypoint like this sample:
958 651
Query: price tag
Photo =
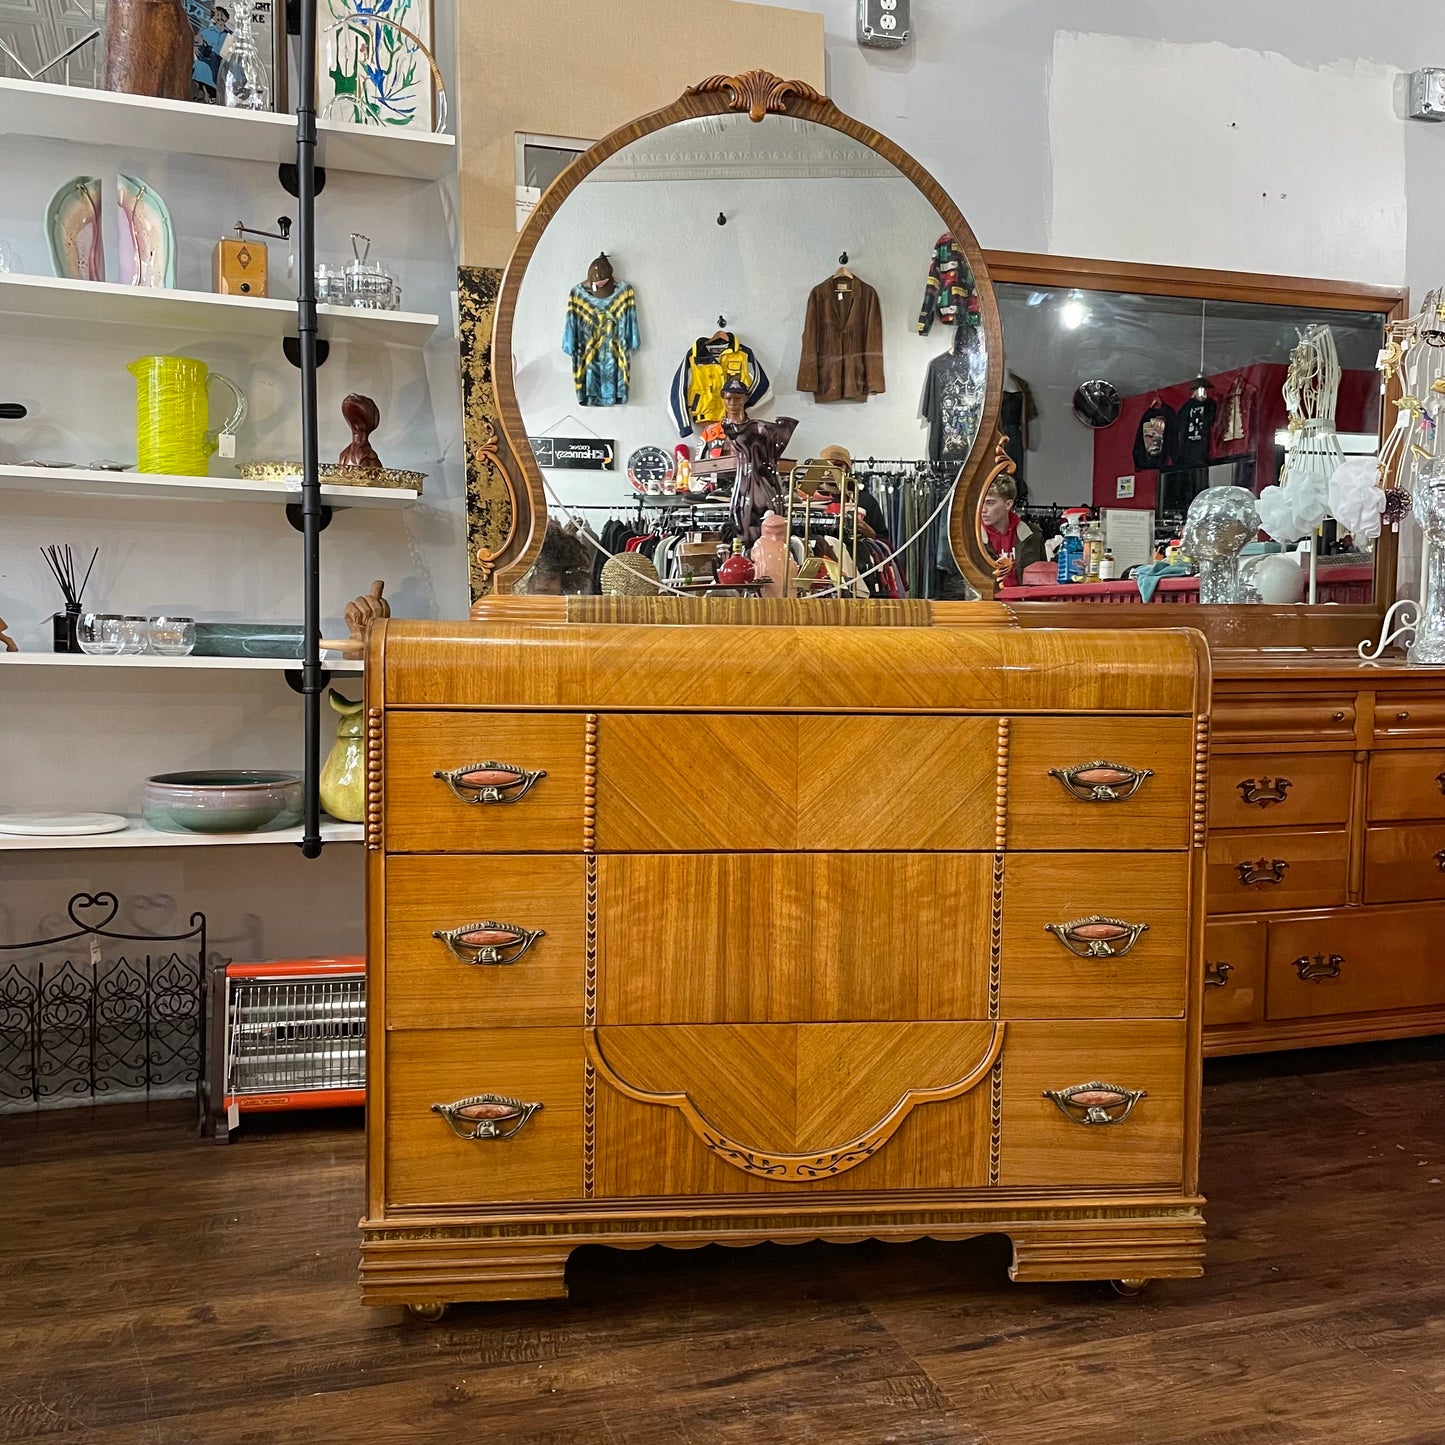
233 1116
227 444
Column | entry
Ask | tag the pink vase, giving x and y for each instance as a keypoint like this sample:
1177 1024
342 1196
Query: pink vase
772 558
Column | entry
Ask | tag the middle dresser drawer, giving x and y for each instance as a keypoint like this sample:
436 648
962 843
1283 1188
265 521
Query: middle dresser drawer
1268 872
1279 790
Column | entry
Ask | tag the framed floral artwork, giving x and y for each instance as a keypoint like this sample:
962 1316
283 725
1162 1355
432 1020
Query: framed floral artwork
369 69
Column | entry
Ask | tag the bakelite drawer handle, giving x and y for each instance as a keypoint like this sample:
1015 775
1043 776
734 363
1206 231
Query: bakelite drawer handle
486 1116
1262 873
1096 937
490 782
1101 782
490 944
1095 1103
1318 968
1216 975
1263 792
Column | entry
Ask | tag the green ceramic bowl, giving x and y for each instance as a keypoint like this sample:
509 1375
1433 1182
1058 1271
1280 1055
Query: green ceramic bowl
222 802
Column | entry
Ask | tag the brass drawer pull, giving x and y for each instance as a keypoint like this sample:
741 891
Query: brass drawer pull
1096 937
485 1116
1095 1103
1216 975
490 782
1440 860
1262 873
1263 792
1440 779
1318 968
492 944
1101 782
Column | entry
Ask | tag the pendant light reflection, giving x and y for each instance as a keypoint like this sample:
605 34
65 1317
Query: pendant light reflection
1073 313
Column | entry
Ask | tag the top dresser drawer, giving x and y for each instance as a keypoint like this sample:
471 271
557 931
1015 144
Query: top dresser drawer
478 782
1306 717
1409 715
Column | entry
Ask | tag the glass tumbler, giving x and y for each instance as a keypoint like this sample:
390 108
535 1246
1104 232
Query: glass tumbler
99 633
172 636
134 635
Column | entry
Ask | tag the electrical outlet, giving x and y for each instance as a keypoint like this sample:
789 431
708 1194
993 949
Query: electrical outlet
884 24
1427 95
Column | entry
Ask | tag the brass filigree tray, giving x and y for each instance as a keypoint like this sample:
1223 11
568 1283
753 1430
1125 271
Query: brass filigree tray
333 473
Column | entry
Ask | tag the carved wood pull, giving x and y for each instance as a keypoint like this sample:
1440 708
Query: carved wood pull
1318 968
1095 1103
1263 792
1096 937
1262 873
486 1116
1101 782
491 944
1216 975
490 782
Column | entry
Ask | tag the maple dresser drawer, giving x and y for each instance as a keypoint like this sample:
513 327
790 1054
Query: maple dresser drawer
1407 783
1270 872
512 948
1127 1129
484 1151
1234 956
1364 961
1280 790
1286 718
1405 864
1409 715
792 937
1095 935
1117 784
700 782
459 782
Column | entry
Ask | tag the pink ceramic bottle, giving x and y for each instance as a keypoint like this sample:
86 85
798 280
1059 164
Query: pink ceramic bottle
772 558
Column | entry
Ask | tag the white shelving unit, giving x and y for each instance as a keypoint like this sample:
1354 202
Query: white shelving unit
51 303
81 482
131 122
140 834
145 663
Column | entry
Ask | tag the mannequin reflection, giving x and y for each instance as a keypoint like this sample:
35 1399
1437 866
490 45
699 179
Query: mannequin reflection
600 278
759 446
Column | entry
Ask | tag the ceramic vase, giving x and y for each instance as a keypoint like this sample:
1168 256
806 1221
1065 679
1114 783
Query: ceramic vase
343 778
772 558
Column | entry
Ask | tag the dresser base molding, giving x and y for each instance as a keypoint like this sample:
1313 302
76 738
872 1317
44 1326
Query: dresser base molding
1224 1041
436 1259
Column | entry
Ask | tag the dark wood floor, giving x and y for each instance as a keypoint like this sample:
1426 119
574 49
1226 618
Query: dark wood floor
157 1290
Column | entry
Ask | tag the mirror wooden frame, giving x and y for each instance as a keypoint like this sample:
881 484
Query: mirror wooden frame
757 94
1259 625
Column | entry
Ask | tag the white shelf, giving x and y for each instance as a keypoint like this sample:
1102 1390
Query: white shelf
56 301
188 664
80 482
100 117
140 834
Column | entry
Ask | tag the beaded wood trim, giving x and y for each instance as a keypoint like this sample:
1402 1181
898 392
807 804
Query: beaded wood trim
589 788
1000 794
373 779
1201 782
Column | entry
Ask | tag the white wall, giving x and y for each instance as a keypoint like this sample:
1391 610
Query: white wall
782 238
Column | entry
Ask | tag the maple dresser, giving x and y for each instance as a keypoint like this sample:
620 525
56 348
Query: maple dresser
1326 852
686 933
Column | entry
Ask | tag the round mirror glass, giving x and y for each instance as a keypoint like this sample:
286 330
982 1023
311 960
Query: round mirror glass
730 300
1098 403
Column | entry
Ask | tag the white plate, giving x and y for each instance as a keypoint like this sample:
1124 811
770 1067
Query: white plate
61 825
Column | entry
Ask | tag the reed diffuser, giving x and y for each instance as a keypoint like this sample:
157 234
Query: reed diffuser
61 561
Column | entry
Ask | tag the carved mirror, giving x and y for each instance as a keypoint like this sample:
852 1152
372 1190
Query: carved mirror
744 256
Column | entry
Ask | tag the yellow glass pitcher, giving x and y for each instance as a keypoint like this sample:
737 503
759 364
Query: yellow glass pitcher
173 415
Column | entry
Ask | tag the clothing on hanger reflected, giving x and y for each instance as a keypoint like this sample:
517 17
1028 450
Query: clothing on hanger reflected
600 335
949 294
842 353
1154 441
696 397
952 402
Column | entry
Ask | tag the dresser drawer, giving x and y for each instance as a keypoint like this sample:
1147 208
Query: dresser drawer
1409 715
1046 1144
515 951
1405 864
1267 872
697 782
1091 783
1234 972
1361 961
1407 783
1274 790
427 1162
1283 718
523 793
1058 906
792 937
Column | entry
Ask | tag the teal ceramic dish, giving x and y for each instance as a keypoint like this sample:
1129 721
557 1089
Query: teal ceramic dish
222 802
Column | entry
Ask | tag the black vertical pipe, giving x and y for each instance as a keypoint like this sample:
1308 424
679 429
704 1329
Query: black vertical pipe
311 677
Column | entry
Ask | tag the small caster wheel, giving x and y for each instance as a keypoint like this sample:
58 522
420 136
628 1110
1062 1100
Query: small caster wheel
428 1313
1129 1288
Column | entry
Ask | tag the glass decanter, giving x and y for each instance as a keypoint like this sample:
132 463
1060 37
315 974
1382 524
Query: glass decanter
243 83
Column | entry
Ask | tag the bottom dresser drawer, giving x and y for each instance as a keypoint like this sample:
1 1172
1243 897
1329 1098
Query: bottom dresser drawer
1364 960
486 1152
1269 871
1405 864
1233 973
1056 1131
